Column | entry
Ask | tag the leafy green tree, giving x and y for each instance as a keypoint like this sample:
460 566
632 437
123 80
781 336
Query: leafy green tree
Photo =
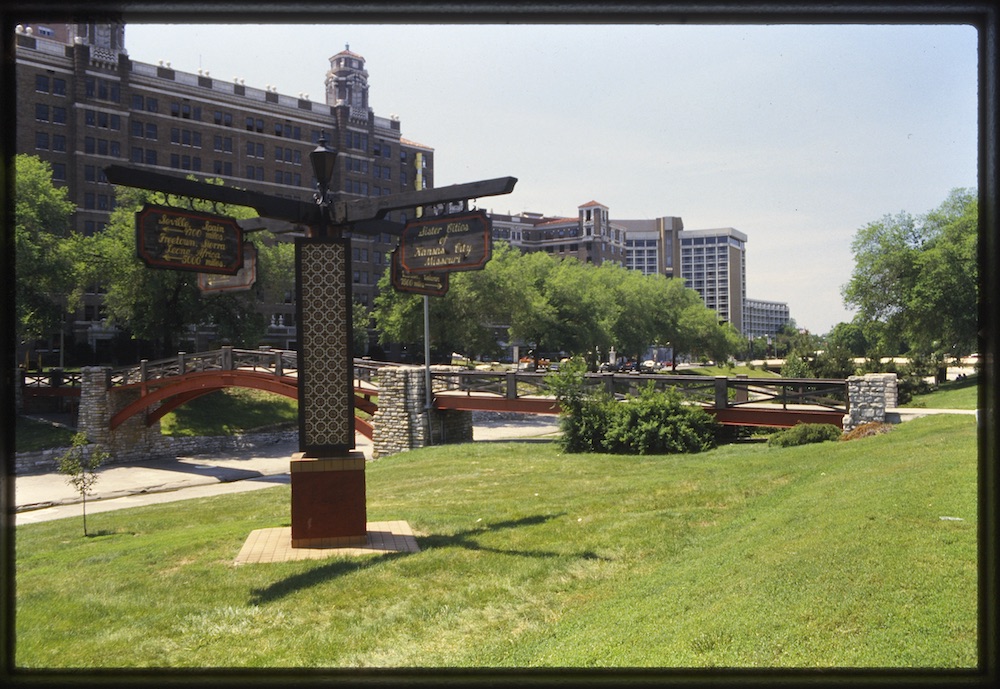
360 317
640 311
700 334
582 308
915 279
81 470
850 337
44 268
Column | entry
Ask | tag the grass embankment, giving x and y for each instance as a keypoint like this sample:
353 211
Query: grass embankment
955 394
229 411
813 556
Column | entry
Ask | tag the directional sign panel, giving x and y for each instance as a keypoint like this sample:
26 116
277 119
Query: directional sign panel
431 284
446 243
241 282
180 239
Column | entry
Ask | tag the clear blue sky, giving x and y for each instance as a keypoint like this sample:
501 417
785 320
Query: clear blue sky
795 135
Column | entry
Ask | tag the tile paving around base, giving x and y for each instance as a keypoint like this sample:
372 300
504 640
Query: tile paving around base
275 544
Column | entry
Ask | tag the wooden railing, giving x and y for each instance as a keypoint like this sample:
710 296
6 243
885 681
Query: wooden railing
718 392
277 362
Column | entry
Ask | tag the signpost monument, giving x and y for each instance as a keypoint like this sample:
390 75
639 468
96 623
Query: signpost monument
327 474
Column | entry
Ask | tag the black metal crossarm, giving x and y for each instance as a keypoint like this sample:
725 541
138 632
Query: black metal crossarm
363 215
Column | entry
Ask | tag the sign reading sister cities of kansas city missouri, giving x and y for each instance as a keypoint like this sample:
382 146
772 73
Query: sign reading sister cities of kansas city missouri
180 239
446 243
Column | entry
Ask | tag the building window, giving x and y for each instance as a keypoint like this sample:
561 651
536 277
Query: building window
41 83
59 172
58 87
42 141
41 112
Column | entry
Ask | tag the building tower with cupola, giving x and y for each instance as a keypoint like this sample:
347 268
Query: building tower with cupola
84 104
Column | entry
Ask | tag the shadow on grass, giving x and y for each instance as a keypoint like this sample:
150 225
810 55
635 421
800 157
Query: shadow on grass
466 539
462 539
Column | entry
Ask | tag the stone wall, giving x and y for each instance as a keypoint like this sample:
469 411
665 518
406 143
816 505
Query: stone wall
401 422
48 460
133 439
869 396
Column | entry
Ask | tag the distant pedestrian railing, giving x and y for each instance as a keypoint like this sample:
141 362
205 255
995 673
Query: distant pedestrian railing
718 392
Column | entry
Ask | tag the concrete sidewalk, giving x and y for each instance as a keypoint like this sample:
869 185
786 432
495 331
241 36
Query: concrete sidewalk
43 497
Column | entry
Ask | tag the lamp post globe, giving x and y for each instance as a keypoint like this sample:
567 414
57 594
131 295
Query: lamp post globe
322 160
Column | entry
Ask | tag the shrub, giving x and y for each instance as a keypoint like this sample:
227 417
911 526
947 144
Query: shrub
804 434
650 423
866 430
583 422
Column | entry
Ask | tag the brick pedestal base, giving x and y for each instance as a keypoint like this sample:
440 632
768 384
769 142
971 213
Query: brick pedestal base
328 501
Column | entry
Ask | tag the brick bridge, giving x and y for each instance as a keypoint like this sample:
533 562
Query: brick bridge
121 407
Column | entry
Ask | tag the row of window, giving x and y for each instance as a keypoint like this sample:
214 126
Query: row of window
104 147
354 186
46 142
185 137
54 114
103 120
100 202
46 84
102 89
282 155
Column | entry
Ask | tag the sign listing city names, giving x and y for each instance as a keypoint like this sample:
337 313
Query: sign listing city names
446 243
430 284
178 239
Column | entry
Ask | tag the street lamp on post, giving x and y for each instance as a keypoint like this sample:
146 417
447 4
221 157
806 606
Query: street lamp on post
322 159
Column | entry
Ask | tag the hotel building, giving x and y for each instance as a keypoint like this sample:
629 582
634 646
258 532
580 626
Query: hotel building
83 104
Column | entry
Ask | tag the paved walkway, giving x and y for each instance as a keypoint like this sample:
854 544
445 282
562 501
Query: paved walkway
43 497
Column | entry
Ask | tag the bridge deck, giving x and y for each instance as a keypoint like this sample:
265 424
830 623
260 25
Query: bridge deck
748 414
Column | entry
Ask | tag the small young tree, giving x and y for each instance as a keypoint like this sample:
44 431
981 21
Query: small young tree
81 471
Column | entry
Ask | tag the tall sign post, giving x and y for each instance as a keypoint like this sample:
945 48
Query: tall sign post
328 486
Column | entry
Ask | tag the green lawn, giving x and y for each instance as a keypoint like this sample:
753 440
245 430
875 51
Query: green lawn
750 556
955 394
31 435
228 411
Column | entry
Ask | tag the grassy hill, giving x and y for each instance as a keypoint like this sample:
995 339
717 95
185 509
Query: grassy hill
849 554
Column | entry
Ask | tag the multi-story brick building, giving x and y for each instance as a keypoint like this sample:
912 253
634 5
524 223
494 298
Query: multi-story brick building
590 237
83 104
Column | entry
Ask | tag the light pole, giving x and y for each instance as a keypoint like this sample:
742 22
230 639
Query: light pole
322 160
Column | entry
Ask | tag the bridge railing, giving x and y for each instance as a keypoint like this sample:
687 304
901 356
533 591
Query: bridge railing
278 362
366 370
51 379
718 392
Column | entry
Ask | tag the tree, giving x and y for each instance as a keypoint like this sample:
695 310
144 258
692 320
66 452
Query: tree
81 471
161 306
44 269
360 316
915 280
848 336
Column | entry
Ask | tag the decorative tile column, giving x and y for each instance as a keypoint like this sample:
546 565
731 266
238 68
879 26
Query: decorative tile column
327 475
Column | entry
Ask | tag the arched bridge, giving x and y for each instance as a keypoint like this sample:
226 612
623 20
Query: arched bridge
166 384
739 401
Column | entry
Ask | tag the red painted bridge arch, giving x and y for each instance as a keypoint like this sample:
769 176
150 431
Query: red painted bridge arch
173 392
